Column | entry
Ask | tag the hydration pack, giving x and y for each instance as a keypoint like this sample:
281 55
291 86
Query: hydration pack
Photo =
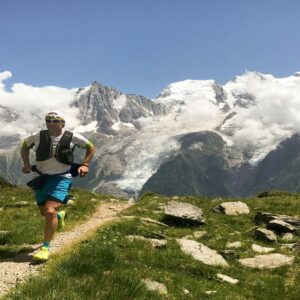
63 152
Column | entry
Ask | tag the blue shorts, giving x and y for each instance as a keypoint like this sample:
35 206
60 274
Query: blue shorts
56 189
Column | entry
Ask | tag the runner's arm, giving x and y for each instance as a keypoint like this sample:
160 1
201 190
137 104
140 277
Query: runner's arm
90 151
84 168
25 151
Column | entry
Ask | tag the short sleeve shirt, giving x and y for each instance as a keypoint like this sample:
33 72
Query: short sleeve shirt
52 166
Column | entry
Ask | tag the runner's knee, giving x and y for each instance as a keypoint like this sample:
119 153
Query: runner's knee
50 212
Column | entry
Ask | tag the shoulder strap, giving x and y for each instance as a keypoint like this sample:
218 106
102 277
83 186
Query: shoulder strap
44 150
65 141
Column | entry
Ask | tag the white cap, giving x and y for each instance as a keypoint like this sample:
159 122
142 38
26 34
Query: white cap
55 115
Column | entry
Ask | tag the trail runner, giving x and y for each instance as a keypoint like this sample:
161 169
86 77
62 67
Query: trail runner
54 157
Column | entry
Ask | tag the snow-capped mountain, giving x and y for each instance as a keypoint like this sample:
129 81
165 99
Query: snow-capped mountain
225 131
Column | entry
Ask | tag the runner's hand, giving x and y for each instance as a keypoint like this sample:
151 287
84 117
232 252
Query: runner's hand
26 169
83 170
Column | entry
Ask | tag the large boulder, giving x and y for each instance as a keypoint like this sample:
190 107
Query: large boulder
183 212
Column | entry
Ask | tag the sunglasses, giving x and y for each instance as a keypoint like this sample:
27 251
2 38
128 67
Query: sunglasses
53 121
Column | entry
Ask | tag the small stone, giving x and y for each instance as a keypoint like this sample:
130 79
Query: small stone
287 237
156 243
106 273
227 278
234 245
261 249
210 292
149 220
21 203
195 235
233 208
155 286
199 234
290 246
186 292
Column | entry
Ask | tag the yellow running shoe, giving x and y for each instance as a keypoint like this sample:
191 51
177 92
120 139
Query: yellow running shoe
61 221
41 255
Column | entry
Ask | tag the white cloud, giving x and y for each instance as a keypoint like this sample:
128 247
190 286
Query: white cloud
275 116
3 76
32 104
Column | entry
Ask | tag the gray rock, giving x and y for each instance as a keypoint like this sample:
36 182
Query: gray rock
268 261
210 292
202 253
152 285
156 243
280 226
227 278
22 204
196 235
265 235
290 246
261 249
287 237
151 221
234 245
265 217
181 212
233 208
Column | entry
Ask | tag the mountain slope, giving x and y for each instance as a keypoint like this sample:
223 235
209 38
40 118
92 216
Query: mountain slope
198 169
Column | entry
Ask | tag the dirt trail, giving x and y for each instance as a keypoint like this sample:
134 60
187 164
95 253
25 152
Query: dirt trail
19 268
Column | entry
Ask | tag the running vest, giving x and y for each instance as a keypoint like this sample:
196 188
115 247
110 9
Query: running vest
63 153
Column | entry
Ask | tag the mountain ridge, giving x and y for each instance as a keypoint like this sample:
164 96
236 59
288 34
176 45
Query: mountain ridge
135 135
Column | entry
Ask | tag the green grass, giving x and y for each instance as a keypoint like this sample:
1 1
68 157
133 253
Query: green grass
109 266
25 224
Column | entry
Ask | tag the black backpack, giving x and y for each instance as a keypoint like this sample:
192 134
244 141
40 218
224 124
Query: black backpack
63 153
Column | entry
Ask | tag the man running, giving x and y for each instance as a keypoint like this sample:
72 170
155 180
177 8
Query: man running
54 156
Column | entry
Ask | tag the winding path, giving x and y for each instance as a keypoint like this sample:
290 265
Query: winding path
19 268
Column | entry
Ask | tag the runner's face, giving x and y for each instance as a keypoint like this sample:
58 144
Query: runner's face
55 126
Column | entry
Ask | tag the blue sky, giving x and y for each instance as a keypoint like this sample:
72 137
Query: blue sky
141 46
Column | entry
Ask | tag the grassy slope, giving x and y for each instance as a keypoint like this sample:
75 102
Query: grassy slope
108 266
25 225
